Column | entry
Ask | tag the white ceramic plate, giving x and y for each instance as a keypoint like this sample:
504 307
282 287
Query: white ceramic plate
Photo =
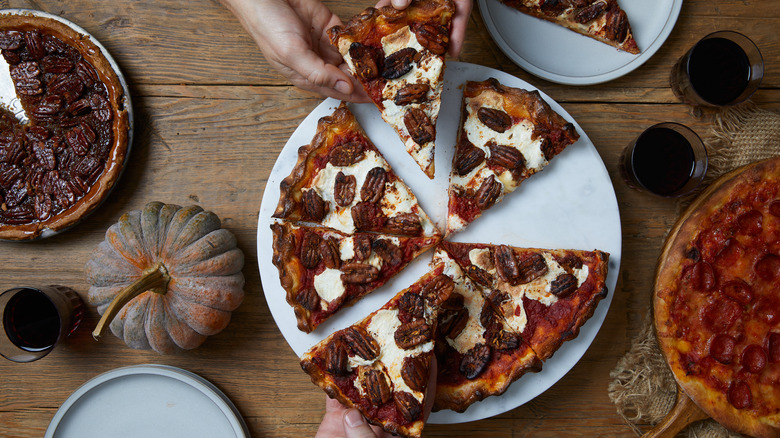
9 99
147 401
557 54
571 204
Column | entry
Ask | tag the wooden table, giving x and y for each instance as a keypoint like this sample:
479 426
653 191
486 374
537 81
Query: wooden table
211 117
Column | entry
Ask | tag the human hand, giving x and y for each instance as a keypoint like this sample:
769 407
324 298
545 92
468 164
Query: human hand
292 36
340 422
459 21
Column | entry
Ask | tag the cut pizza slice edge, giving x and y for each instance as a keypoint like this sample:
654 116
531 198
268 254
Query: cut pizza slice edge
381 365
506 135
602 20
323 270
342 181
398 57
478 354
544 295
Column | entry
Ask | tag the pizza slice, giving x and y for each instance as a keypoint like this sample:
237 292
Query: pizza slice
398 57
602 20
506 135
381 365
478 354
343 182
544 295
323 270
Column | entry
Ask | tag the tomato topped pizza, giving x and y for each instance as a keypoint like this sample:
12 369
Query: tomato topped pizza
506 135
323 270
381 365
398 57
602 20
717 300
342 181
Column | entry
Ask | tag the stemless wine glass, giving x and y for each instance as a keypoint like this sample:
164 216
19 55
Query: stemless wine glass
667 159
724 68
35 319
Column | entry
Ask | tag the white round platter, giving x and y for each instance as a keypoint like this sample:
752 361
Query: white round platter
150 401
552 52
570 204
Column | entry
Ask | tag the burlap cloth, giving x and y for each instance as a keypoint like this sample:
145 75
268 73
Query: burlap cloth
642 387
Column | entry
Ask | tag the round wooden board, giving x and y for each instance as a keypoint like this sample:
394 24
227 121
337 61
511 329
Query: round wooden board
669 260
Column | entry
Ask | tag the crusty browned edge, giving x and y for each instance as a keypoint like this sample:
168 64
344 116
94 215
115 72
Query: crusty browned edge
120 126
290 188
283 260
589 307
539 111
361 24
477 390
668 269
627 45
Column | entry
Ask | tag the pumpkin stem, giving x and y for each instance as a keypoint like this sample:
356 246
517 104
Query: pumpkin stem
154 279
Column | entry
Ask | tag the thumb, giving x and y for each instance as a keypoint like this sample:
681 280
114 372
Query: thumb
356 426
318 73
400 4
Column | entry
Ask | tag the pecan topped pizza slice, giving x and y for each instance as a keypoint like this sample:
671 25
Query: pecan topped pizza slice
478 354
323 270
506 135
343 182
381 365
398 57
544 295
602 20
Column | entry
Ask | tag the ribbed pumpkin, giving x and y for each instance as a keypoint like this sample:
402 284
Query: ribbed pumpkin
166 277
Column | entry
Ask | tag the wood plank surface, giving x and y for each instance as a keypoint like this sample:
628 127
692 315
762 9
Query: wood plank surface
211 118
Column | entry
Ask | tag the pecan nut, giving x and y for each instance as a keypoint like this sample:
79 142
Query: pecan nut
453 322
368 216
387 251
419 126
590 12
454 302
361 343
553 8
494 119
617 26
532 268
346 154
310 250
412 333
415 371
376 384
359 273
366 60
314 207
480 275
308 298
506 264
474 361
362 247
432 37
563 285
344 189
467 158
506 157
411 93
399 63
488 193
407 405
336 359
406 223
330 253
35 44
438 289
374 185
10 40
56 64
410 307
503 340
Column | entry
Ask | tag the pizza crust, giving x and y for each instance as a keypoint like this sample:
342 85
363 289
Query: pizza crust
669 270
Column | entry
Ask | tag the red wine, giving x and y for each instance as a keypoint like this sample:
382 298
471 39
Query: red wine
719 70
31 321
662 160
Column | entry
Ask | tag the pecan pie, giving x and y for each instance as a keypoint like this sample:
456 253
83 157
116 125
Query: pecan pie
60 164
